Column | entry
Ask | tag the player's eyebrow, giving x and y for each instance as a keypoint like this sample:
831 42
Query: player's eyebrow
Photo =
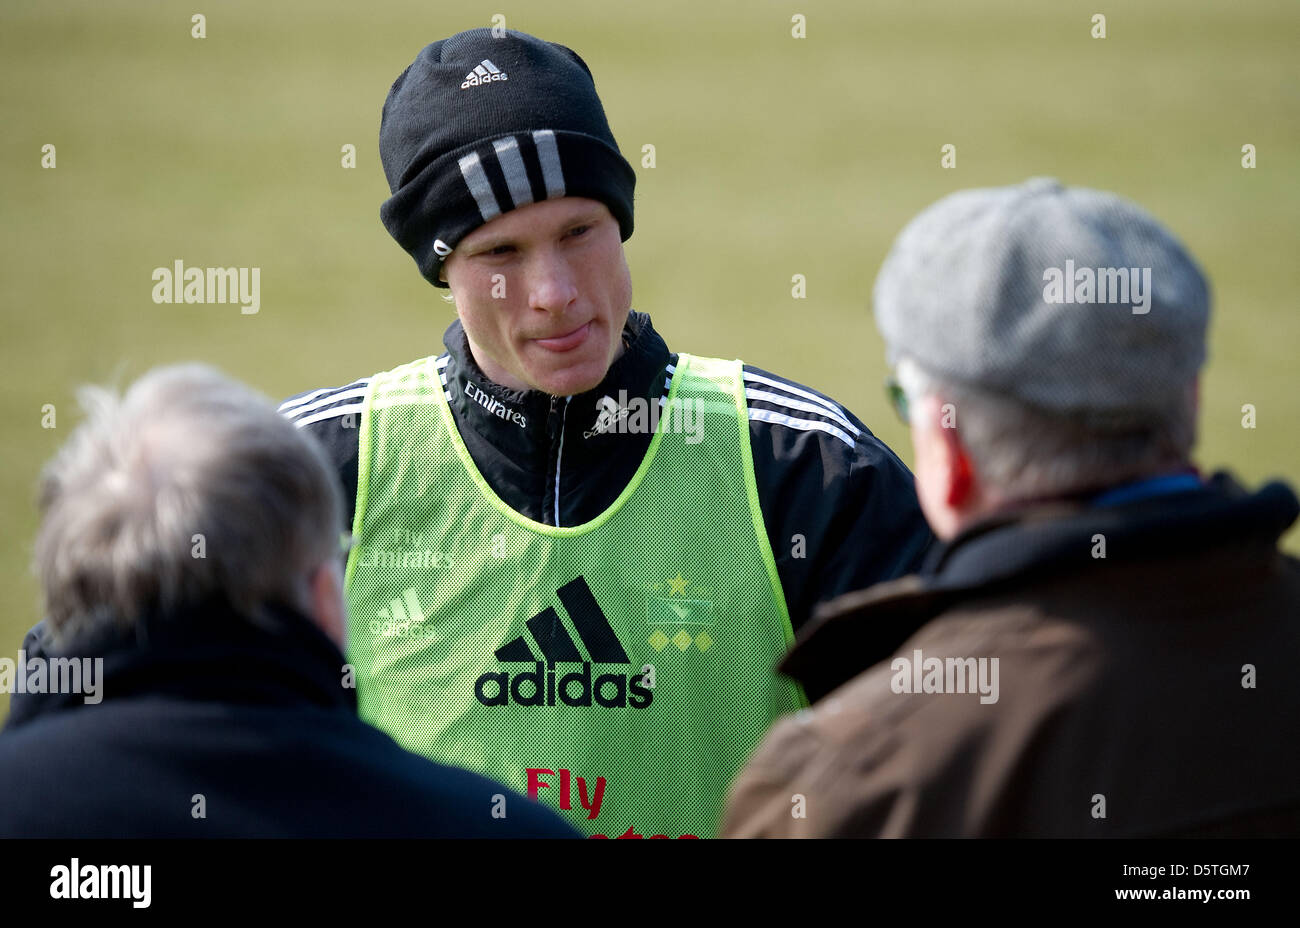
589 217
489 242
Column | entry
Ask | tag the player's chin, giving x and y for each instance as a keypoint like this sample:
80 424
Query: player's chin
571 372
568 379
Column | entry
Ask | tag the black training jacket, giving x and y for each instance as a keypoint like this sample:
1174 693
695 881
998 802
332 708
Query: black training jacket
839 506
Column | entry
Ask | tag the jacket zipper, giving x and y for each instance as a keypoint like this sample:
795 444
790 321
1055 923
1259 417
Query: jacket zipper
557 443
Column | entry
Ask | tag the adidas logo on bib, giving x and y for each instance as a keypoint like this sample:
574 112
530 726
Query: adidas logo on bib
539 686
484 72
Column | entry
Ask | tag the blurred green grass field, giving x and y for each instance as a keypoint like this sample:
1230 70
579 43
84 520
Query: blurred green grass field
775 156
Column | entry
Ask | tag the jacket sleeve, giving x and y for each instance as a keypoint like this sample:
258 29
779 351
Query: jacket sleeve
839 506
849 767
798 785
37 645
333 417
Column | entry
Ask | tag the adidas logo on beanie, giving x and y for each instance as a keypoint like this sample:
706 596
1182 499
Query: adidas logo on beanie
483 72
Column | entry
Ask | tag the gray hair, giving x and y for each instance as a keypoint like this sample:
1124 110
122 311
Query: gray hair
1022 452
188 488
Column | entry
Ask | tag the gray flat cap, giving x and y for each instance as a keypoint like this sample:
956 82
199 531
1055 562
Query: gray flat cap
1075 301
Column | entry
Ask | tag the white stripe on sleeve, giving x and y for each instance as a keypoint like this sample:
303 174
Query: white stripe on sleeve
329 414
791 388
791 403
356 394
804 425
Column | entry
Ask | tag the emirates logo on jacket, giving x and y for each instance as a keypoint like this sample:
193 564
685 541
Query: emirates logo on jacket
495 406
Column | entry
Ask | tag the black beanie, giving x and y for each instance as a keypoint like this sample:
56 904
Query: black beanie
478 125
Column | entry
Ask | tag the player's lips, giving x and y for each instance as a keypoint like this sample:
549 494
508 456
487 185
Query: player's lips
566 341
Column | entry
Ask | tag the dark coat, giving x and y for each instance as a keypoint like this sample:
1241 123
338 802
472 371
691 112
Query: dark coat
257 722
1152 692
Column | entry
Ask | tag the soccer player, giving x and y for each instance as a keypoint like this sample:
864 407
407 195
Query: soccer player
579 555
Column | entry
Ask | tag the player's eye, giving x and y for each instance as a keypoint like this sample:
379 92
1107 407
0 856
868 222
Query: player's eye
577 231
499 250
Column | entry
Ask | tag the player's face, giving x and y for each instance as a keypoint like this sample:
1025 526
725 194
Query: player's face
543 292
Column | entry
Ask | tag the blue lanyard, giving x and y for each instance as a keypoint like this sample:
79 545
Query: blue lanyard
1153 486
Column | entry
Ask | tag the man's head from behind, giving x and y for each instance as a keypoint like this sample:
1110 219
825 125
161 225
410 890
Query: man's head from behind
497 142
1048 341
188 490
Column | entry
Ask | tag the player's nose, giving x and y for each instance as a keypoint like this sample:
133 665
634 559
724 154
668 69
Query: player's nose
552 283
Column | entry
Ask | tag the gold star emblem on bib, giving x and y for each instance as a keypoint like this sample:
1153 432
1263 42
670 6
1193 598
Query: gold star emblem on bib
677 586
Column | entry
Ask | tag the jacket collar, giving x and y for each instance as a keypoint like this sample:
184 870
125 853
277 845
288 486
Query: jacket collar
856 630
208 654
527 425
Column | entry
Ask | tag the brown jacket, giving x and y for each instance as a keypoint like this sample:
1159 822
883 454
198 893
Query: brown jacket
1155 691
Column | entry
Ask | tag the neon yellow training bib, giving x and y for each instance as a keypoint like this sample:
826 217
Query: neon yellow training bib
618 671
